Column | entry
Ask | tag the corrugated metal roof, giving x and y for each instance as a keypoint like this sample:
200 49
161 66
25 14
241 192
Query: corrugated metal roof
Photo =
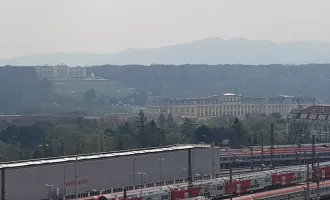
90 157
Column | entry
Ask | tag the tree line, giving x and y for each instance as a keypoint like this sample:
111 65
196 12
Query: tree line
84 135
309 80
23 92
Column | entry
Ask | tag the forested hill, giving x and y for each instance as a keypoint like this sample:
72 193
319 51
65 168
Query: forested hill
202 80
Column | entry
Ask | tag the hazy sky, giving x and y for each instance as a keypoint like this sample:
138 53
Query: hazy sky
107 26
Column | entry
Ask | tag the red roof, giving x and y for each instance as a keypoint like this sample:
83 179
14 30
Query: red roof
317 109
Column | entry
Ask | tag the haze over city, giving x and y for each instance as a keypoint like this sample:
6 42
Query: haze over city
109 26
164 99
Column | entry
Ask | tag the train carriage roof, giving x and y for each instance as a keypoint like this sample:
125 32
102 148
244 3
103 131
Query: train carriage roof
249 197
288 190
279 192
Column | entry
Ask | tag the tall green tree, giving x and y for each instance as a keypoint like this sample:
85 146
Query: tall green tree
203 134
161 121
140 121
171 125
188 128
238 132
155 135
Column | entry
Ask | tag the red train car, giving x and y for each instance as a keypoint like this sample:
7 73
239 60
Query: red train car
249 182
295 192
287 176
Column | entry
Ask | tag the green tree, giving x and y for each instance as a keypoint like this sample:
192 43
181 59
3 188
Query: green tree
171 125
89 96
153 135
174 138
238 132
140 121
29 137
49 152
161 121
188 128
203 134
10 152
65 138
127 136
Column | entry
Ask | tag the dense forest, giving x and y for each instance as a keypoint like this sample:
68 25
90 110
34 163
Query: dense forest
203 80
23 92
84 135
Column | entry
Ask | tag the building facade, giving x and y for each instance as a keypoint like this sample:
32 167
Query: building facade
224 105
61 72
311 120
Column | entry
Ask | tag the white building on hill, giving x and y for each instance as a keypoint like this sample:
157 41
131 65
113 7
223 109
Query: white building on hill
61 72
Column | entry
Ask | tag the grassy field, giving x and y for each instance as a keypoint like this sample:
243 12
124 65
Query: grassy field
107 88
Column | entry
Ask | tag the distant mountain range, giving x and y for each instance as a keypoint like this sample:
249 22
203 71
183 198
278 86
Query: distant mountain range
207 51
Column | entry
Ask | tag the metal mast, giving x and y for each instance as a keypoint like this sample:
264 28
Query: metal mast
3 184
262 150
313 152
308 191
251 156
190 180
272 145
231 183
213 161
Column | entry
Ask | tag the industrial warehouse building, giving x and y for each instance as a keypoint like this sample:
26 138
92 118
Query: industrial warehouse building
103 173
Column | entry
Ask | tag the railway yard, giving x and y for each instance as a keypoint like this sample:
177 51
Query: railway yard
162 173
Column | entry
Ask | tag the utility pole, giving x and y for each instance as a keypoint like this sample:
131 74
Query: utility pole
76 179
231 183
134 183
262 150
239 179
286 130
213 161
251 160
313 152
64 185
160 168
299 154
3 184
125 193
272 145
190 179
314 170
318 177
307 191
220 165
